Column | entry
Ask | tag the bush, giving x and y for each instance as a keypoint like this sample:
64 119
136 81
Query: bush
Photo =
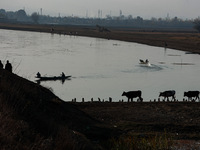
151 142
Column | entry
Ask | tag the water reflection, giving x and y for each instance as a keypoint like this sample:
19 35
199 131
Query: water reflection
62 81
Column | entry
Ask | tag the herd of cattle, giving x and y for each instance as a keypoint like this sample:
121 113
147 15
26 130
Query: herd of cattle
166 94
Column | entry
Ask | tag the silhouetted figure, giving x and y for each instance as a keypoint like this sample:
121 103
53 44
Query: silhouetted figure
110 99
38 75
1 65
52 30
165 44
8 66
63 75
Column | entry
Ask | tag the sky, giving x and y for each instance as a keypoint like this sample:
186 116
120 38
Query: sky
185 9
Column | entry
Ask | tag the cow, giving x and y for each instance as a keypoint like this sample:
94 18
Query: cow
191 94
167 94
133 94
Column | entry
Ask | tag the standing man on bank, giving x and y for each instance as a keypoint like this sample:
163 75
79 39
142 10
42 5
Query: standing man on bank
1 65
8 66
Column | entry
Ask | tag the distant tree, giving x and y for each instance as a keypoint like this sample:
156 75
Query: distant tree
130 17
35 17
139 19
21 13
2 11
153 19
108 17
197 24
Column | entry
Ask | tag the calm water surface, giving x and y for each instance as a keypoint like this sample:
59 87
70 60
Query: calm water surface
99 68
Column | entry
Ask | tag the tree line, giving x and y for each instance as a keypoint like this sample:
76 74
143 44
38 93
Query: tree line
129 21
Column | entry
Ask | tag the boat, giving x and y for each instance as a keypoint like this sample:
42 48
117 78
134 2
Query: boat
53 78
145 63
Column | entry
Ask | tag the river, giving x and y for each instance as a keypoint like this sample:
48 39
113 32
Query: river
99 68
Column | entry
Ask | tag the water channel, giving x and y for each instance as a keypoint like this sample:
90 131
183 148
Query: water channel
99 68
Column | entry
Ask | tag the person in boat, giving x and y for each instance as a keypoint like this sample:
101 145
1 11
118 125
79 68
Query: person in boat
38 75
63 75
8 66
141 61
147 61
1 65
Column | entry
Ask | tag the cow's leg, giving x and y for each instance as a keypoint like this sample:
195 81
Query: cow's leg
131 99
173 97
164 99
128 99
168 99
140 98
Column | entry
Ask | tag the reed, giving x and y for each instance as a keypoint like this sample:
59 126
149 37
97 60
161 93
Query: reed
151 142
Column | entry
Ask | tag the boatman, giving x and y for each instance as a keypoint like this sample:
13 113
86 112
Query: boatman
38 75
63 75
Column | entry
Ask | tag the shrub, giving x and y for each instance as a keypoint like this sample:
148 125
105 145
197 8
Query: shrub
151 142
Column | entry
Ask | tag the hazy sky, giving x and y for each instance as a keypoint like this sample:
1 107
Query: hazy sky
144 8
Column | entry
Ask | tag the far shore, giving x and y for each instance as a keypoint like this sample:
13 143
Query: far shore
185 41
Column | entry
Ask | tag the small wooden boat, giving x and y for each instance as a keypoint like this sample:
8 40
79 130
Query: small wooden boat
54 78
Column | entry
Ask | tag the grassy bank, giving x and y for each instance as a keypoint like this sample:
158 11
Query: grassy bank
149 117
160 124
32 117
186 41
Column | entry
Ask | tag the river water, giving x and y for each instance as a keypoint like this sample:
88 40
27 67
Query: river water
99 68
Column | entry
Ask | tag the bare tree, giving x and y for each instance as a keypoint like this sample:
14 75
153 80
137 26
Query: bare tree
35 17
197 24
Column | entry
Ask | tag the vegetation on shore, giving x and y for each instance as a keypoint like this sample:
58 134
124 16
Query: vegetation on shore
151 142
129 21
